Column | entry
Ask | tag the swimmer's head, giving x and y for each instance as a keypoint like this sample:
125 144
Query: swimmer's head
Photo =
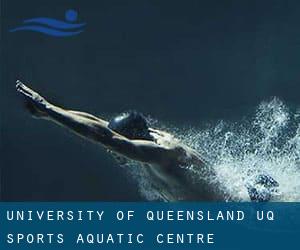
132 125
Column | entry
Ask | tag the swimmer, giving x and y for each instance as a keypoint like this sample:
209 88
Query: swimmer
128 135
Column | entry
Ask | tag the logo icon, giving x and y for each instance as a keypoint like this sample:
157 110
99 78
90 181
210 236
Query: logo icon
53 27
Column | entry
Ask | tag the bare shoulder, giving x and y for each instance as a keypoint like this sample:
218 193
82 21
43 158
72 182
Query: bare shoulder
178 151
163 150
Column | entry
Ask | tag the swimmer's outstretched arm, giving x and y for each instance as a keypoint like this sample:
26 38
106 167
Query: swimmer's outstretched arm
95 129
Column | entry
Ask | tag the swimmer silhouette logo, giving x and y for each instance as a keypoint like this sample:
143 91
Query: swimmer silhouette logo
53 27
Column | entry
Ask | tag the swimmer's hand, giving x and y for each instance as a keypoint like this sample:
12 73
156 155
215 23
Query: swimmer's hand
35 103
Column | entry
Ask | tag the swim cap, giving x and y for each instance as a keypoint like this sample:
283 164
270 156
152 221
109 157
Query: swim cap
132 125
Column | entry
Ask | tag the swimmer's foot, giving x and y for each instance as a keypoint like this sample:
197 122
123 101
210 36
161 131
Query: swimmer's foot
34 103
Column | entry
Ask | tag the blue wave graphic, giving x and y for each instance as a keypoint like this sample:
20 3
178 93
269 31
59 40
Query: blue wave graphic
53 27
47 31
53 23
